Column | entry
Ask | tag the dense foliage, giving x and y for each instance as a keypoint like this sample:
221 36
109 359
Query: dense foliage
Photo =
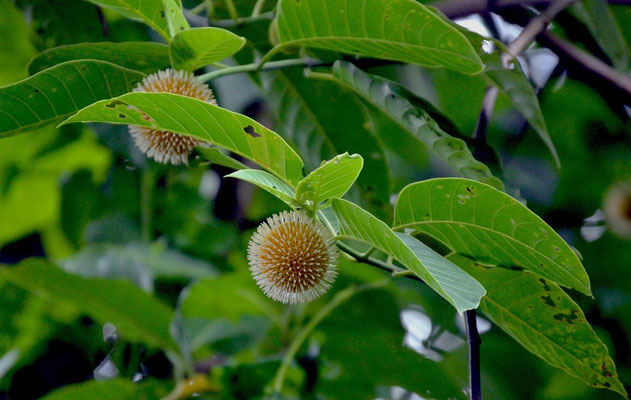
444 171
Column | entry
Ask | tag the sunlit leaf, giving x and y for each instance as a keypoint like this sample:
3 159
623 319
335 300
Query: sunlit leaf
58 92
176 22
385 96
452 283
480 222
330 180
402 30
268 182
197 47
138 316
147 57
189 116
150 12
546 321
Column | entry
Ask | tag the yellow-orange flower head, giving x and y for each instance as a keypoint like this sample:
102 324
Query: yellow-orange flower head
293 257
165 146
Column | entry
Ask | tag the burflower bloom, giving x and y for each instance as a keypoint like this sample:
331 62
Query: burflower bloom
293 257
165 146
617 209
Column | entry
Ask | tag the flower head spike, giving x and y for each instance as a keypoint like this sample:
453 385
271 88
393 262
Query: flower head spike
165 146
293 257
617 208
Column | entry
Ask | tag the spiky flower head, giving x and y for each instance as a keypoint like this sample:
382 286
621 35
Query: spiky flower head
617 209
165 146
293 257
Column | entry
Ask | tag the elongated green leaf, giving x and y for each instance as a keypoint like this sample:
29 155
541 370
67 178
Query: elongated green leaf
216 156
175 17
401 30
304 109
136 314
58 92
268 182
452 283
147 57
480 222
514 83
189 116
113 389
602 24
545 320
150 12
197 47
384 96
331 180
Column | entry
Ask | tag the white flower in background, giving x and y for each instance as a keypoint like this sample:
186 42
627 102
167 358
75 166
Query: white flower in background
617 209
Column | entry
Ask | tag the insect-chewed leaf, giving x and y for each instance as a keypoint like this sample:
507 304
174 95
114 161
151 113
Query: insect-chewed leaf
546 321
268 182
332 179
58 92
176 22
401 30
210 123
481 222
147 57
447 279
384 95
197 47
149 11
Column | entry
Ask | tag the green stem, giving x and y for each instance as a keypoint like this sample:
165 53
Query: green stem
231 23
232 10
256 11
147 183
255 66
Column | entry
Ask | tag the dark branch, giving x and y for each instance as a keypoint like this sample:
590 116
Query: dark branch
473 338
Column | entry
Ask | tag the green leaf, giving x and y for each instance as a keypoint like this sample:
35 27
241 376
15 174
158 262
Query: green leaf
146 57
210 123
514 83
138 316
386 96
197 47
267 182
546 321
15 43
330 180
150 12
602 24
452 283
482 223
216 156
112 389
58 92
175 17
304 109
402 30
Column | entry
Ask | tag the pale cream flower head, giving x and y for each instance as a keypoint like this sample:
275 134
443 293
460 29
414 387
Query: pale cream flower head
164 146
617 209
293 257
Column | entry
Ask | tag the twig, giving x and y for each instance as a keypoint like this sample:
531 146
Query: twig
474 341
256 66
257 8
230 23
106 30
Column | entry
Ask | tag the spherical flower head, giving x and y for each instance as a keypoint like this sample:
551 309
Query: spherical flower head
293 257
617 209
165 146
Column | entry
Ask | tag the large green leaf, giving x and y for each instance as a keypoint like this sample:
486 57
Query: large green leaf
545 320
147 57
197 47
481 222
386 96
268 182
113 389
150 12
304 108
138 316
58 92
514 83
452 283
189 116
330 180
401 30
